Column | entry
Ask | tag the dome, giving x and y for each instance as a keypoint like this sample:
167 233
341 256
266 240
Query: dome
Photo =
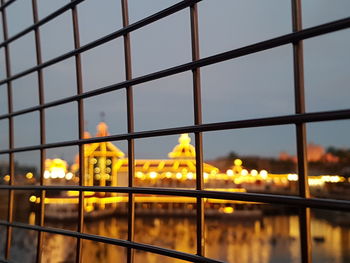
184 150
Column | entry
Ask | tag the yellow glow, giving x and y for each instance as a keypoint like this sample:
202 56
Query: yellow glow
89 201
153 175
7 178
331 178
89 208
292 177
284 180
190 176
315 181
47 175
168 174
32 198
178 175
254 172
139 174
263 174
206 176
184 149
229 172
55 168
238 162
69 176
73 193
244 172
228 210
29 175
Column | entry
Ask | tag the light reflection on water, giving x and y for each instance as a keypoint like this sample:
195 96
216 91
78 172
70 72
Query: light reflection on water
271 239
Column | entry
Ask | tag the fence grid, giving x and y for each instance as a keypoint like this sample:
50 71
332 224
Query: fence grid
303 201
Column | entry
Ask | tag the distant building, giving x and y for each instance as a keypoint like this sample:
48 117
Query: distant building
106 165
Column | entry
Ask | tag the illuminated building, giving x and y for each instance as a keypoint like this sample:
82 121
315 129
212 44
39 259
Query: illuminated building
102 161
106 165
181 167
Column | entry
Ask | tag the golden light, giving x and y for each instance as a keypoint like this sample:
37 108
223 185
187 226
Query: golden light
168 174
32 198
229 172
292 177
178 175
47 175
244 172
189 175
57 173
73 193
263 174
228 210
69 176
139 174
153 175
55 168
254 172
29 175
331 178
237 180
206 176
238 162
7 178
315 181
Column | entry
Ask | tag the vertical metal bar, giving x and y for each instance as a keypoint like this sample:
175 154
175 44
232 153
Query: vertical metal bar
79 80
42 128
198 135
11 134
130 116
304 218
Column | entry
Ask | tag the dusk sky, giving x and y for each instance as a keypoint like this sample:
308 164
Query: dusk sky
258 85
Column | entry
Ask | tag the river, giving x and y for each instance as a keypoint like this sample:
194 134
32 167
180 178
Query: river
270 239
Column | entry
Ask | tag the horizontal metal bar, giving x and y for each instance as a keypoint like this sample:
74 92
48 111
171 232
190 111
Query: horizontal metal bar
261 46
119 242
217 126
7 3
146 21
41 22
285 200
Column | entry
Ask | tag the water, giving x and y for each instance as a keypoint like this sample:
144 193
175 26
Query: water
270 239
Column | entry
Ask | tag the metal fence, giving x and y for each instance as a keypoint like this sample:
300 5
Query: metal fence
303 201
